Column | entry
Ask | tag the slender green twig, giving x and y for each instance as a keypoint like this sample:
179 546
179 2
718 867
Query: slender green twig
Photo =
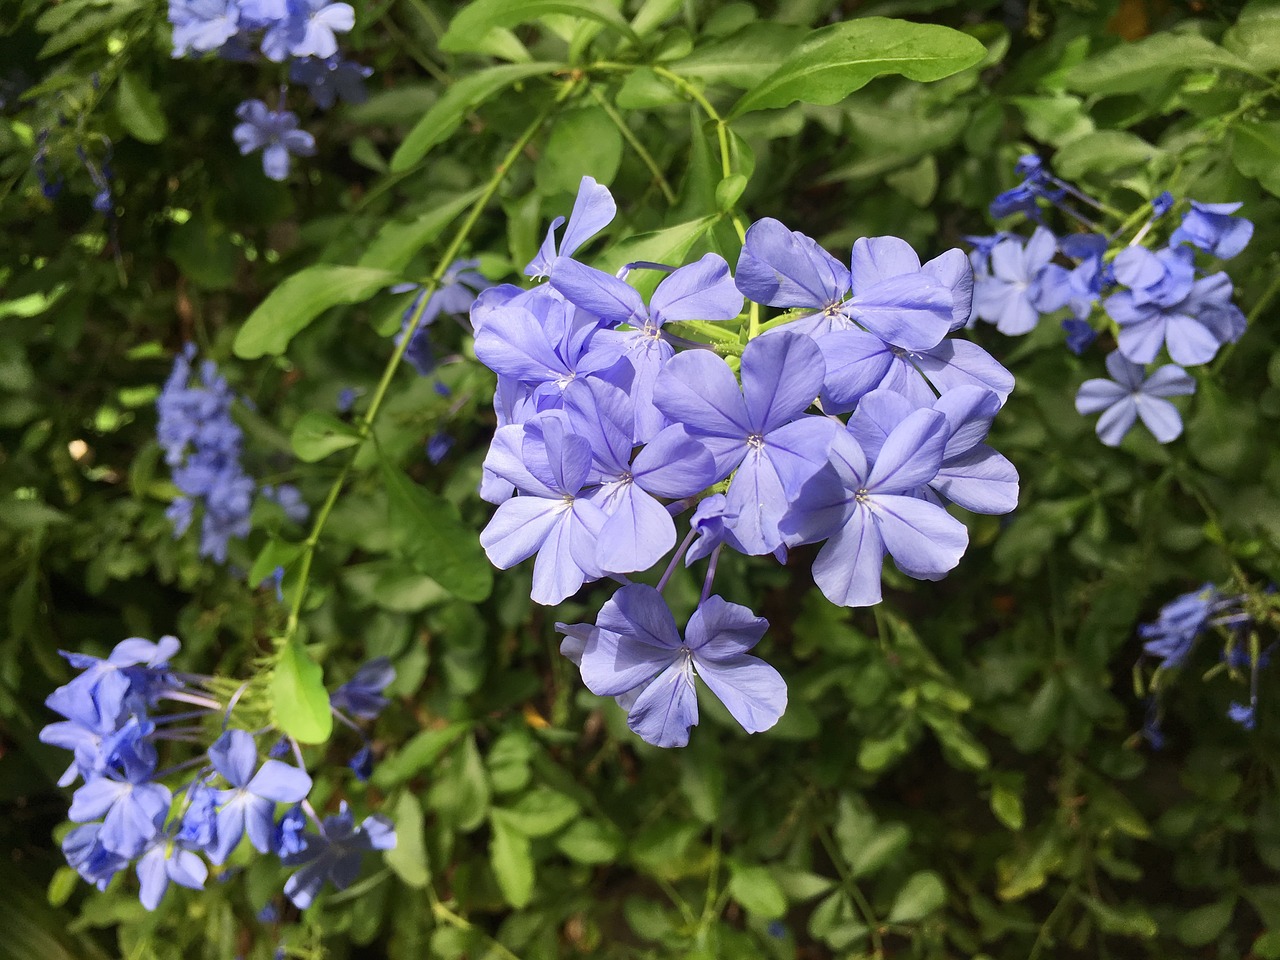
851 885
628 135
393 364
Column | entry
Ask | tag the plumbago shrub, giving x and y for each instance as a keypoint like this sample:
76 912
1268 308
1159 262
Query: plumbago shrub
639 479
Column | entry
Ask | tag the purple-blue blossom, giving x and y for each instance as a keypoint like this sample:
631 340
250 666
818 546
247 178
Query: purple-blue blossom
912 308
1014 294
865 508
249 804
759 432
330 80
1131 395
1212 228
334 854
275 133
637 646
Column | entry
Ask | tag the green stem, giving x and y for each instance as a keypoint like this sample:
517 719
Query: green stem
855 892
393 365
629 135
1264 301
441 912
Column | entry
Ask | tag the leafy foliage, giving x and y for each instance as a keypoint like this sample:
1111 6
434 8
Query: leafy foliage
961 771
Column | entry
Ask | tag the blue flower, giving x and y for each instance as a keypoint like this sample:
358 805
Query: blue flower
1080 336
168 859
1211 227
316 23
1172 635
550 518
865 509
1243 714
637 645
1016 292
759 432
438 447
335 854
250 803
453 297
593 210
886 292
331 79
1191 327
361 696
275 133
1131 395
202 25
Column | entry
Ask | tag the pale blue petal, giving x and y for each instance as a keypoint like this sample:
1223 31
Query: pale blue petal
847 568
1116 421
674 465
879 258
637 533
280 782
719 630
781 268
639 612
593 210
781 377
980 480
699 291
519 528
668 707
752 690
697 388
919 535
911 454
911 311
1160 417
603 294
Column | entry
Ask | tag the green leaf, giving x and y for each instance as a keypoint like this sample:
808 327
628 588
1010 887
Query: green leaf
1134 67
590 841
422 751
669 245
841 58
1256 152
470 27
744 58
512 861
754 887
291 307
447 113
1127 920
922 894
408 858
204 251
139 109
1203 925
539 813
433 537
867 845
583 142
1255 38
1103 151
1006 804
1267 946
398 242
299 701
277 553
318 434
29 514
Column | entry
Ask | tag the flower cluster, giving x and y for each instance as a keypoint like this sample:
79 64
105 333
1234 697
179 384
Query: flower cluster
202 445
302 32
614 418
133 812
1152 301
1172 637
